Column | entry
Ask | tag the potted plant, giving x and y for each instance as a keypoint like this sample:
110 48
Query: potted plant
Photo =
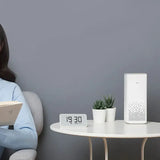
110 109
99 111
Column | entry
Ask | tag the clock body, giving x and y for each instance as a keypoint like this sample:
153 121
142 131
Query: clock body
79 120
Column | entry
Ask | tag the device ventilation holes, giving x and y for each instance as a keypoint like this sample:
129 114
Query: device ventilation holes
136 111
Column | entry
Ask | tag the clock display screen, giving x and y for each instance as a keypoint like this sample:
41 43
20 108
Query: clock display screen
73 119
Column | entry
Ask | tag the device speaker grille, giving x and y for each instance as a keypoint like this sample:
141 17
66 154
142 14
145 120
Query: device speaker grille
136 111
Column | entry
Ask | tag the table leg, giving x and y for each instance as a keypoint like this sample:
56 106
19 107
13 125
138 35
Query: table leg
142 148
105 148
90 148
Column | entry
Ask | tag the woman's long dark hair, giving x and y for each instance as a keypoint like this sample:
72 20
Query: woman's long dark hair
5 72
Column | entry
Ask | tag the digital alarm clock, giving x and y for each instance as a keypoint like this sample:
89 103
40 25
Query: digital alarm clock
73 120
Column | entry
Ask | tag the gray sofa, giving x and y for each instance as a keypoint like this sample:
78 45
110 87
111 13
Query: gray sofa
37 112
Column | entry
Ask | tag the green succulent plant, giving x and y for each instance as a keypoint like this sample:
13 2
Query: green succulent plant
99 104
109 101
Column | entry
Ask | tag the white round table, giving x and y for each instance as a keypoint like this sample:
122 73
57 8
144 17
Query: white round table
116 129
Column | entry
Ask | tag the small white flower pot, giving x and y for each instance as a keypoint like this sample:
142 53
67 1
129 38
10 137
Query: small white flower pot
99 115
110 114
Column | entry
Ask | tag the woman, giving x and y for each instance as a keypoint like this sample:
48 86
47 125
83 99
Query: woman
24 134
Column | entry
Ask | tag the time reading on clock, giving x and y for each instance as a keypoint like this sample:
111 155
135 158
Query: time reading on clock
74 119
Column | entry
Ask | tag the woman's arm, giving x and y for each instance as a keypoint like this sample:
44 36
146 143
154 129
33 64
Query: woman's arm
18 139
24 134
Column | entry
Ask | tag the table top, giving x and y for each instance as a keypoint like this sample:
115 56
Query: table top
116 129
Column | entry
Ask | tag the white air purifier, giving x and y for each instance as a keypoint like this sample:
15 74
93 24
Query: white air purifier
135 98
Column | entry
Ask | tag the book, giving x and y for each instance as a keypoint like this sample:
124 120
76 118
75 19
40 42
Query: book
9 111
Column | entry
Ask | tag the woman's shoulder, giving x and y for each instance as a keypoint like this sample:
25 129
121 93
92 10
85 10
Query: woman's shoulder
8 83
8 90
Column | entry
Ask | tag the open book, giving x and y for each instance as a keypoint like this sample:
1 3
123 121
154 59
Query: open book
9 111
